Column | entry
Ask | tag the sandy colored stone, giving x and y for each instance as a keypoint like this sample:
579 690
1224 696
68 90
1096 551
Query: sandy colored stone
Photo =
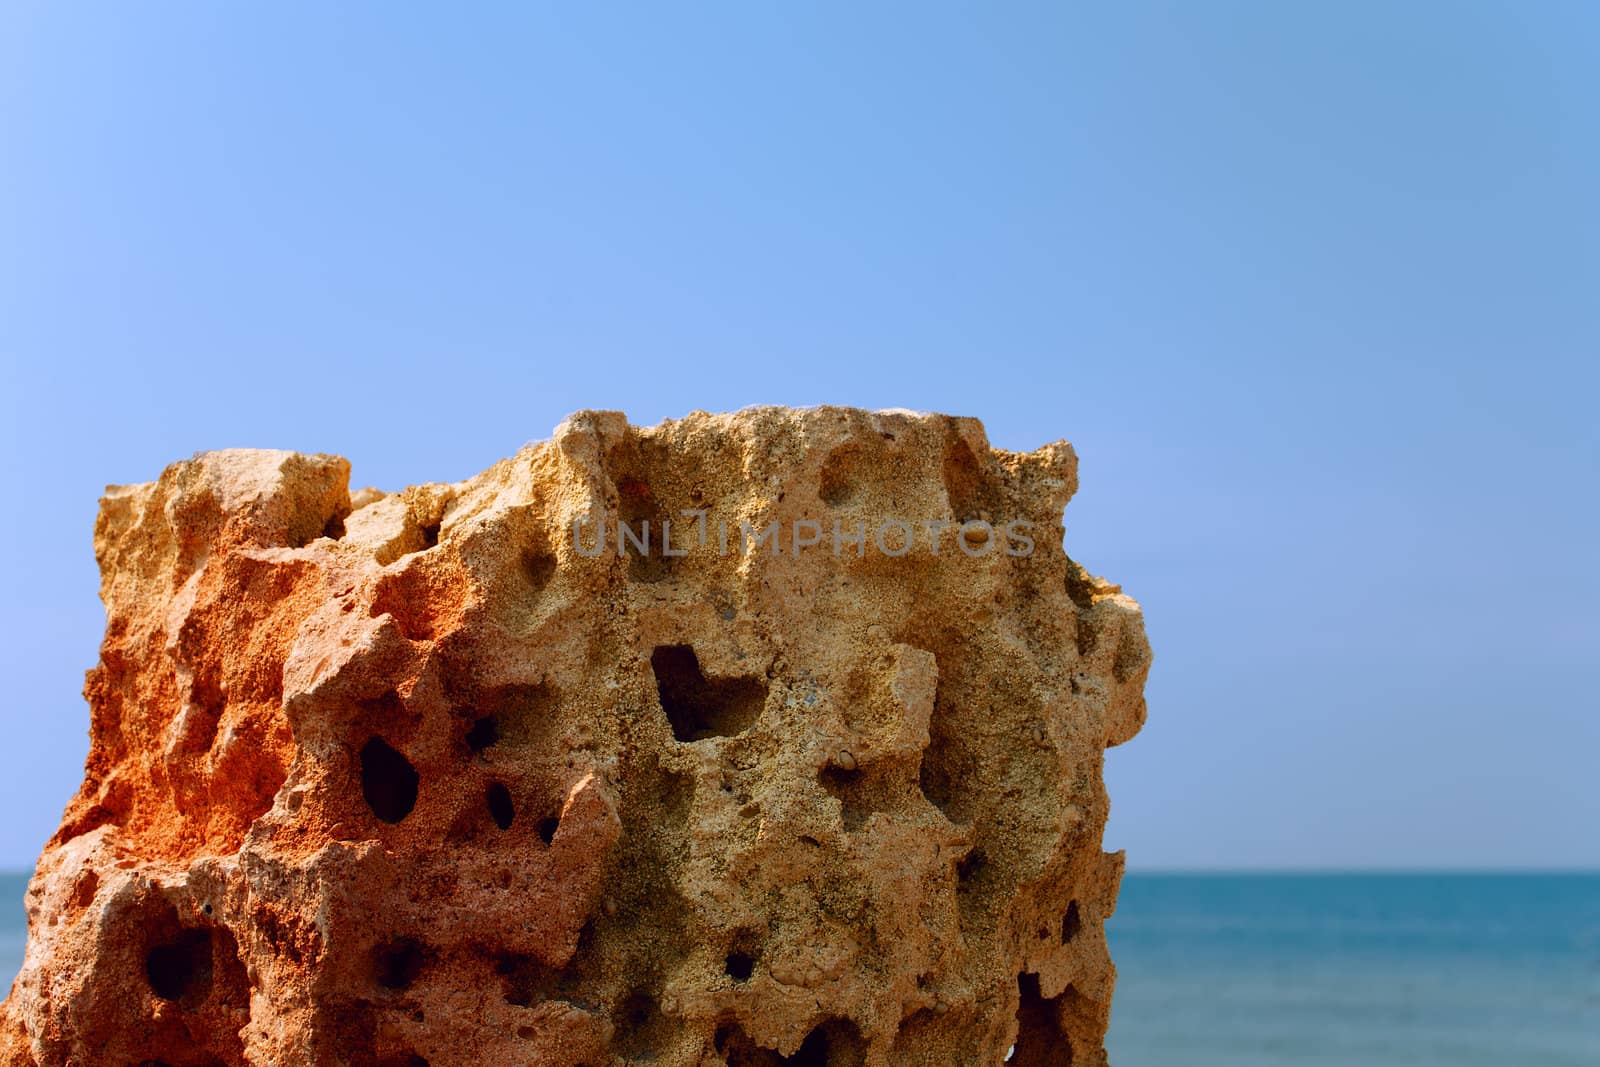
410 779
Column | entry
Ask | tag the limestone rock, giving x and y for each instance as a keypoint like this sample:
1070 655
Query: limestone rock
434 778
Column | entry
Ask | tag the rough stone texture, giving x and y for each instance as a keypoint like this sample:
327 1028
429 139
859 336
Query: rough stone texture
405 779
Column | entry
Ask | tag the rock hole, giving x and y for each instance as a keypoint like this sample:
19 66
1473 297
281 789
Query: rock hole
525 981
841 777
548 827
1040 1042
388 781
398 963
1071 923
970 867
180 969
539 567
813 1051
699 707
501 809
836 1043
727 1034
740 966
484 732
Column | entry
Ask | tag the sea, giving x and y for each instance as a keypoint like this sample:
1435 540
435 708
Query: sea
1331 970
1356 970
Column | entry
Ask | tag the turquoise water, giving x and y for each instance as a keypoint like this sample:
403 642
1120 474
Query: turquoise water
1350 969
1327 970
13 925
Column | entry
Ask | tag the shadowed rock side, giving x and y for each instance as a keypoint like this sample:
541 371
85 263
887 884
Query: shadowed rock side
392 780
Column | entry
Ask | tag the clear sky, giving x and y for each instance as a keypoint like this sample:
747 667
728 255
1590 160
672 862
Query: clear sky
1314 290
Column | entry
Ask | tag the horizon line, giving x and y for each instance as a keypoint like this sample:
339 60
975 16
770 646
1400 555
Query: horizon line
1303 871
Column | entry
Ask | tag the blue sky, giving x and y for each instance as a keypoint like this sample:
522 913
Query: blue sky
1312 288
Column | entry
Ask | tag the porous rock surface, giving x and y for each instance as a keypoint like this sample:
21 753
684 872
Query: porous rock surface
423 779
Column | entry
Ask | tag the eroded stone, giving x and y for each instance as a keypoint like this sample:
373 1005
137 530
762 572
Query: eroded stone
425 778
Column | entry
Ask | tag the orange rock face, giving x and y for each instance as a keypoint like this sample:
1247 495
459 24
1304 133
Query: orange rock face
808 771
